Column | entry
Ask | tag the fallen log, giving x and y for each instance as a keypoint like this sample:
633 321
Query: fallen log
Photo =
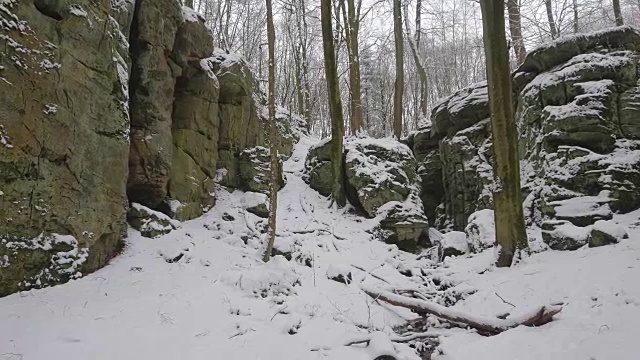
487 325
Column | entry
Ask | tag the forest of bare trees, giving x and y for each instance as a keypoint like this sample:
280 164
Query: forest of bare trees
442 49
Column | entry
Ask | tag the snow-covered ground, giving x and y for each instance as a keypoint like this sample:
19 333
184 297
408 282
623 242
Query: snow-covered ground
201 292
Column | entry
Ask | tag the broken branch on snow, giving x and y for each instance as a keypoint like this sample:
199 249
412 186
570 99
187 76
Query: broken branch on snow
487 325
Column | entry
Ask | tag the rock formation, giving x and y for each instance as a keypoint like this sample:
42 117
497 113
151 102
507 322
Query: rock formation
577 111
381 181
107 103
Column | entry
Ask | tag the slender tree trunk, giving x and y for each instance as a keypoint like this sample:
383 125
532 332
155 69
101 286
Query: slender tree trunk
399 85
617 13
335 104
515 28
575 17
552 23
303 31
305 67
507 199
414 45
354 68
273 148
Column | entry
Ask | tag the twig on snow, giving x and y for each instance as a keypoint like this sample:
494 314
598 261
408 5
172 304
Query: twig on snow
503 300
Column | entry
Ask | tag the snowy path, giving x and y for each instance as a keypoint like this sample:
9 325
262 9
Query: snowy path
203 306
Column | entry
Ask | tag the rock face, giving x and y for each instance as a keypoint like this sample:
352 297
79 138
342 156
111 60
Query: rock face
454 158
195 121
577 111
64 139
106 103
380 179
153 79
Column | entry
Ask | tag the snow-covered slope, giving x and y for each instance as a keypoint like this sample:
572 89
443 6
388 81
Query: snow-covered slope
201 292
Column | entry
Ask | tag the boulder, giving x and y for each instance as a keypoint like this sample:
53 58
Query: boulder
340 273
381 181
563 235
605 233
404 224
150 223
453 243
256 203
378 172
480 230
318 172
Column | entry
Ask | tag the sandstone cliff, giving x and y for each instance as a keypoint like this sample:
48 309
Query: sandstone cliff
107 103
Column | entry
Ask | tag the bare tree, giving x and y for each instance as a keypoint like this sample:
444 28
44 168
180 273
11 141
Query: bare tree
414 45
575 17
352 28
515 28
509 218
617 13
335 103
399 85
552 24
273 148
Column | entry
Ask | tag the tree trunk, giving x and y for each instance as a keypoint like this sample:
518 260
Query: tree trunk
552 23
305 67
273 148
575 17
507 199
617 13
335 104
354 68
515 27
414 46
399 85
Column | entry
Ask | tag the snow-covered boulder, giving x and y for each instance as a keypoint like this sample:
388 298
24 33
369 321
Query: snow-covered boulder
404 224
480 230
378 171
256 203
340 273
318 168
381 180
606 233
563 235
453 243
150 223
